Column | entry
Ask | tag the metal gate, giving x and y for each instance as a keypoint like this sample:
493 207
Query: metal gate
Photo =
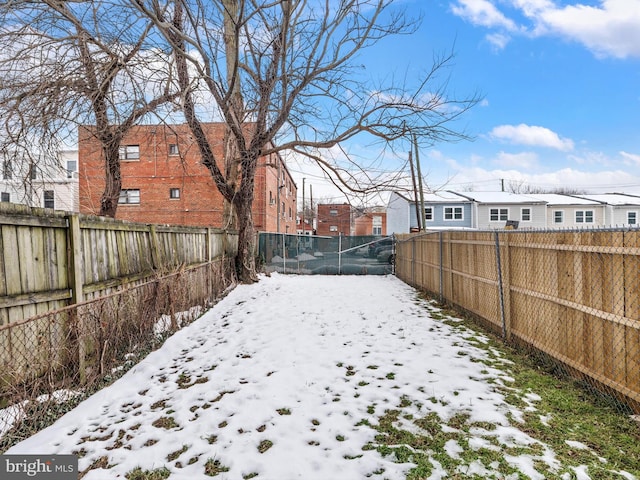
319 255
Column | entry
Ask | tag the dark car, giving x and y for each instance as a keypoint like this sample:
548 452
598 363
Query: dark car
382 244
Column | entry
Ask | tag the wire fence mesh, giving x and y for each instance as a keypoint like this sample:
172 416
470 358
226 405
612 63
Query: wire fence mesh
339 255
569 297
59 357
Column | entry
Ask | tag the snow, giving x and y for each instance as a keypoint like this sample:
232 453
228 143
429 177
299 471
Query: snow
307 363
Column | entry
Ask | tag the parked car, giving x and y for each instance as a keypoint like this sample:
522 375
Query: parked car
387 255
382 244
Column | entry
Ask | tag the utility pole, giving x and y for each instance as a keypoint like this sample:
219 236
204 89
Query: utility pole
304 231
415 146
415 191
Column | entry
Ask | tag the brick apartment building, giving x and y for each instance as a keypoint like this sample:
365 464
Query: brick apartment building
334 219
371 222
164 181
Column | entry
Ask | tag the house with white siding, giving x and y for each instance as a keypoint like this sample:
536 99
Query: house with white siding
620 209
568 211
46 184
492 210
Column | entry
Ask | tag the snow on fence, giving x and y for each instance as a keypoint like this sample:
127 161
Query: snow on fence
79 292
572 296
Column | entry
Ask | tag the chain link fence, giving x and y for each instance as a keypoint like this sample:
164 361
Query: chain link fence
319 255
568 297
52 361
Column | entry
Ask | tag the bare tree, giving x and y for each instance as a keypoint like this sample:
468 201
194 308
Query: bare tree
284 75
66 64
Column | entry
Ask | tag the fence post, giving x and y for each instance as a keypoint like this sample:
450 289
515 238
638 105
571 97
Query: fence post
413 261
155 249
76 284
500 289
441 252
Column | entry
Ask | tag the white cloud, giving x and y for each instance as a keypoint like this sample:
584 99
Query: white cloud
532 136
631 159
610 29
498 40
526 160
613 29
483 13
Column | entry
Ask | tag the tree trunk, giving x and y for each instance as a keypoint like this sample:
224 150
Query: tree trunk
113 180
246 256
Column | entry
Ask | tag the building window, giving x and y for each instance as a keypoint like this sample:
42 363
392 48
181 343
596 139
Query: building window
271 200
72 167
282 210
333 228
333 213
377 225
453 213
174 193
428 214
7 171
498 214
129 152
290 216
525 215
129 197
585 216
49 199
5 197
632 218
33 172
558 216
173 149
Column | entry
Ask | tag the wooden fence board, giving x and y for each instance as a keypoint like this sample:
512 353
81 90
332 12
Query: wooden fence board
574 295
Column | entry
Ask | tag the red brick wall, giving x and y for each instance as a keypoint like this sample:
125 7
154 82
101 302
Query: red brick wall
341 220
156 172
364 223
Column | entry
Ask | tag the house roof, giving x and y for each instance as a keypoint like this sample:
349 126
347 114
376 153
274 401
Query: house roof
443 196
499 197
558 199
615 199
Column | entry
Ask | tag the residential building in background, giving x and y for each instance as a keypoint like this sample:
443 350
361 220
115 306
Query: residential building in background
442 210
499 210
567 211
620 209
164 180
334 219
42 182
370 221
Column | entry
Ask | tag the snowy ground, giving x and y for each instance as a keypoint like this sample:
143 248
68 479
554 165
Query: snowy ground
287 379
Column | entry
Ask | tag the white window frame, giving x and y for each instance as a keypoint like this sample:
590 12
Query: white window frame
174 150
501 214
635 217
5 197
428 214
584 216
529 212
333 228
129 196
558 216
174 193
333 212
129 153
72 167
453 214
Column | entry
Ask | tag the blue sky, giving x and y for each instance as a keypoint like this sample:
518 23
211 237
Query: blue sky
560 81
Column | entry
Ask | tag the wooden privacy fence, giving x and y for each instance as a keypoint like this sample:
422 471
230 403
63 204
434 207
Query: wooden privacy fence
72 286
573 296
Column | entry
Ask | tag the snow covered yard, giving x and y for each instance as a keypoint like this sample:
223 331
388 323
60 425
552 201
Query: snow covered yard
312 377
